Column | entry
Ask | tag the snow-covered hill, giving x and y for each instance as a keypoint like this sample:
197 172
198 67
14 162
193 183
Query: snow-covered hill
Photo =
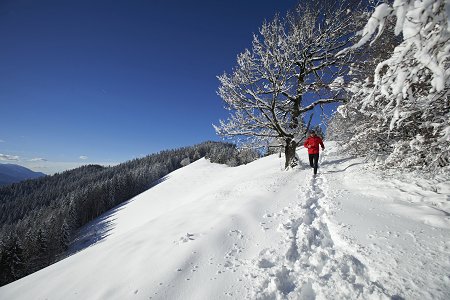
213 232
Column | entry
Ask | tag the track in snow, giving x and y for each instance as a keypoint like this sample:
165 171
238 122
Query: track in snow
307 264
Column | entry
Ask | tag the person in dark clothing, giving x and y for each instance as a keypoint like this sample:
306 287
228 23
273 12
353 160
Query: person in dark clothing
312 143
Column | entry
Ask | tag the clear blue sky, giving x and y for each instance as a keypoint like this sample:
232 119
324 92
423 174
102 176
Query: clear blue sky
108 81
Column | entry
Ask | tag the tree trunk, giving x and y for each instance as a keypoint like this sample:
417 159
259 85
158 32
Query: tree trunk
289 152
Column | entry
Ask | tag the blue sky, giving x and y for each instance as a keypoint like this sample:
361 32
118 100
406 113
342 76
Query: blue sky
107 81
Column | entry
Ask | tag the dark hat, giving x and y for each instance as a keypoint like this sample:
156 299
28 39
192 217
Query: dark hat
312 132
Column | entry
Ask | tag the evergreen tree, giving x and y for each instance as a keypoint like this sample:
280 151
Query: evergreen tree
65 236
12 258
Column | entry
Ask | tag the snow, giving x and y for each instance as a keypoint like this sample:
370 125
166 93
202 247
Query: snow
422 23
337 84
375 23
208 231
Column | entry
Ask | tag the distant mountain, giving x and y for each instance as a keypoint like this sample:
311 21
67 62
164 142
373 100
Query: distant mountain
11 173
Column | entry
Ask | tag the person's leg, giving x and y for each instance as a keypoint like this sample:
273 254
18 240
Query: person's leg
316 162
311 160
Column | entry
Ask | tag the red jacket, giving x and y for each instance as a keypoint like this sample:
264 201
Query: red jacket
312 143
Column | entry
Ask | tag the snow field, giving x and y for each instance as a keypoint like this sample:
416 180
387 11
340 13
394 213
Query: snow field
391 227
257 232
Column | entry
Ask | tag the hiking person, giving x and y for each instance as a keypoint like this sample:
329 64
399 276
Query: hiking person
312 143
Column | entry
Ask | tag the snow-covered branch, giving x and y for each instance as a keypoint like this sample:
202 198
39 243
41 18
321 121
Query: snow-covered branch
290 57
407 99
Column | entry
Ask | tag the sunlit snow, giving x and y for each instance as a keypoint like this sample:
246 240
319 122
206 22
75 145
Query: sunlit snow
208 231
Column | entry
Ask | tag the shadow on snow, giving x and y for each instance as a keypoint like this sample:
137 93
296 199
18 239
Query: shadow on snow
101 227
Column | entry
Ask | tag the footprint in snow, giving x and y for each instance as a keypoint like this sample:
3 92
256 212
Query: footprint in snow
237 233
186 238
195 268
263 226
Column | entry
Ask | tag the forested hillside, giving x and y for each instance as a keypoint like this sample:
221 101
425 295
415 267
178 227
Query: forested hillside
38 217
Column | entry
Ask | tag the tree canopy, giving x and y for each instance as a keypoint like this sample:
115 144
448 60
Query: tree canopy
291 68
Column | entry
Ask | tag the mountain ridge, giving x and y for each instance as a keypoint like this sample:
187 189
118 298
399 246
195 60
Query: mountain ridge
13 173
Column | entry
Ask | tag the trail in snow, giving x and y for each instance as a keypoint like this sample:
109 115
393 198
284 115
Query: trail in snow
309 264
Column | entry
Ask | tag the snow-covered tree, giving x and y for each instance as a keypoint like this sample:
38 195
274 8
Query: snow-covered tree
65 236
408 99
291 68
360 131
186 161
11 258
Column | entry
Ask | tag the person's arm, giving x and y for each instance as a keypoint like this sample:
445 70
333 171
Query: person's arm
321 144
306 144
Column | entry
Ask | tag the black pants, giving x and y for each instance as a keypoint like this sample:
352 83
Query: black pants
314 161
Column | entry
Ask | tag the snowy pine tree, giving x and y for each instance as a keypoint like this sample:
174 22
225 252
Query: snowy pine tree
12 258
65 236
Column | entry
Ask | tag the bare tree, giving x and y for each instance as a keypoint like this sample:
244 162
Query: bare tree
291 68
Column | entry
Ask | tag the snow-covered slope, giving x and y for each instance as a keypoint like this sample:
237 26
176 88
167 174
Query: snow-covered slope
213 232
